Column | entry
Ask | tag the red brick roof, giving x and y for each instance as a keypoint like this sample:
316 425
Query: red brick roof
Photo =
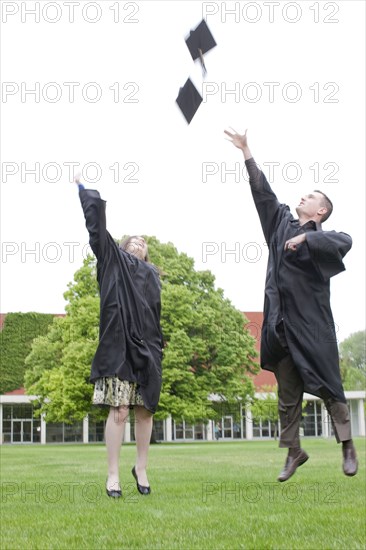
254 325
19 391
2 319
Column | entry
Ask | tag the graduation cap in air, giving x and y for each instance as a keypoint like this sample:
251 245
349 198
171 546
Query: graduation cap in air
199 42
189 100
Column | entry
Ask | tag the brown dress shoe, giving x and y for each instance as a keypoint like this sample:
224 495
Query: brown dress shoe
292 463
350 463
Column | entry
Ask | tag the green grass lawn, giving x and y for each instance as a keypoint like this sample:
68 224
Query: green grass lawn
204 496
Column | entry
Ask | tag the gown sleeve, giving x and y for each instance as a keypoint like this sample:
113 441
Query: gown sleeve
95 220
327 250
269 209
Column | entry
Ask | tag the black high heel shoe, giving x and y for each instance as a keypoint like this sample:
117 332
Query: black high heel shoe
113 493
141 489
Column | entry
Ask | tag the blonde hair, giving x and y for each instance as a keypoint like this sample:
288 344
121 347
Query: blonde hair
125 242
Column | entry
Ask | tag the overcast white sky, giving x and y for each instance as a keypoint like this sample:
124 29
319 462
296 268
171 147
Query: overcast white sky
106 76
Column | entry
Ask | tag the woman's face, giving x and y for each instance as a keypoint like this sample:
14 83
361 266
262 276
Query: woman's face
138 247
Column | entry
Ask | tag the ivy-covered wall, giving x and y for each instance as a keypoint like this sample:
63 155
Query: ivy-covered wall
16 338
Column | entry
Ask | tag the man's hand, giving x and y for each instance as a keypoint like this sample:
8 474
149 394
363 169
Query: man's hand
293 243
77 178
240 141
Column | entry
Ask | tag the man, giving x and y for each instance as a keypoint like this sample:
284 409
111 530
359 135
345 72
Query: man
298 340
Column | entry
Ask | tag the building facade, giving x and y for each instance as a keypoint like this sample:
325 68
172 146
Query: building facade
19 425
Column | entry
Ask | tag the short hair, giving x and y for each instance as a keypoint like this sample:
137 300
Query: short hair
327 203
125 242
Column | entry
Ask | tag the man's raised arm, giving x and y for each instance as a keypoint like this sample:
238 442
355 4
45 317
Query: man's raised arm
269 209
241 142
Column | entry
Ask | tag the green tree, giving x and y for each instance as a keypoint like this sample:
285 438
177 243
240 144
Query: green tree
208 352
352 361
16 338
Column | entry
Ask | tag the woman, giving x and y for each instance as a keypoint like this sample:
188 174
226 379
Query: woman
126 368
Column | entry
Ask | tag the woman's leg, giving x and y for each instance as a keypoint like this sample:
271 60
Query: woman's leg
143 429
114 431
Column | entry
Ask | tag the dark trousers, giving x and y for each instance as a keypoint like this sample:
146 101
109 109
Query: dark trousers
290 395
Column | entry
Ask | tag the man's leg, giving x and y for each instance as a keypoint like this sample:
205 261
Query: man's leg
290 394
341 422
339 415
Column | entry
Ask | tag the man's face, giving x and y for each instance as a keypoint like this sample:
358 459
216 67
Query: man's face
310 206
138 247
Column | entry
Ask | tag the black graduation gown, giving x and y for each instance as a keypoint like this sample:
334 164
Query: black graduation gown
297 292
130 338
